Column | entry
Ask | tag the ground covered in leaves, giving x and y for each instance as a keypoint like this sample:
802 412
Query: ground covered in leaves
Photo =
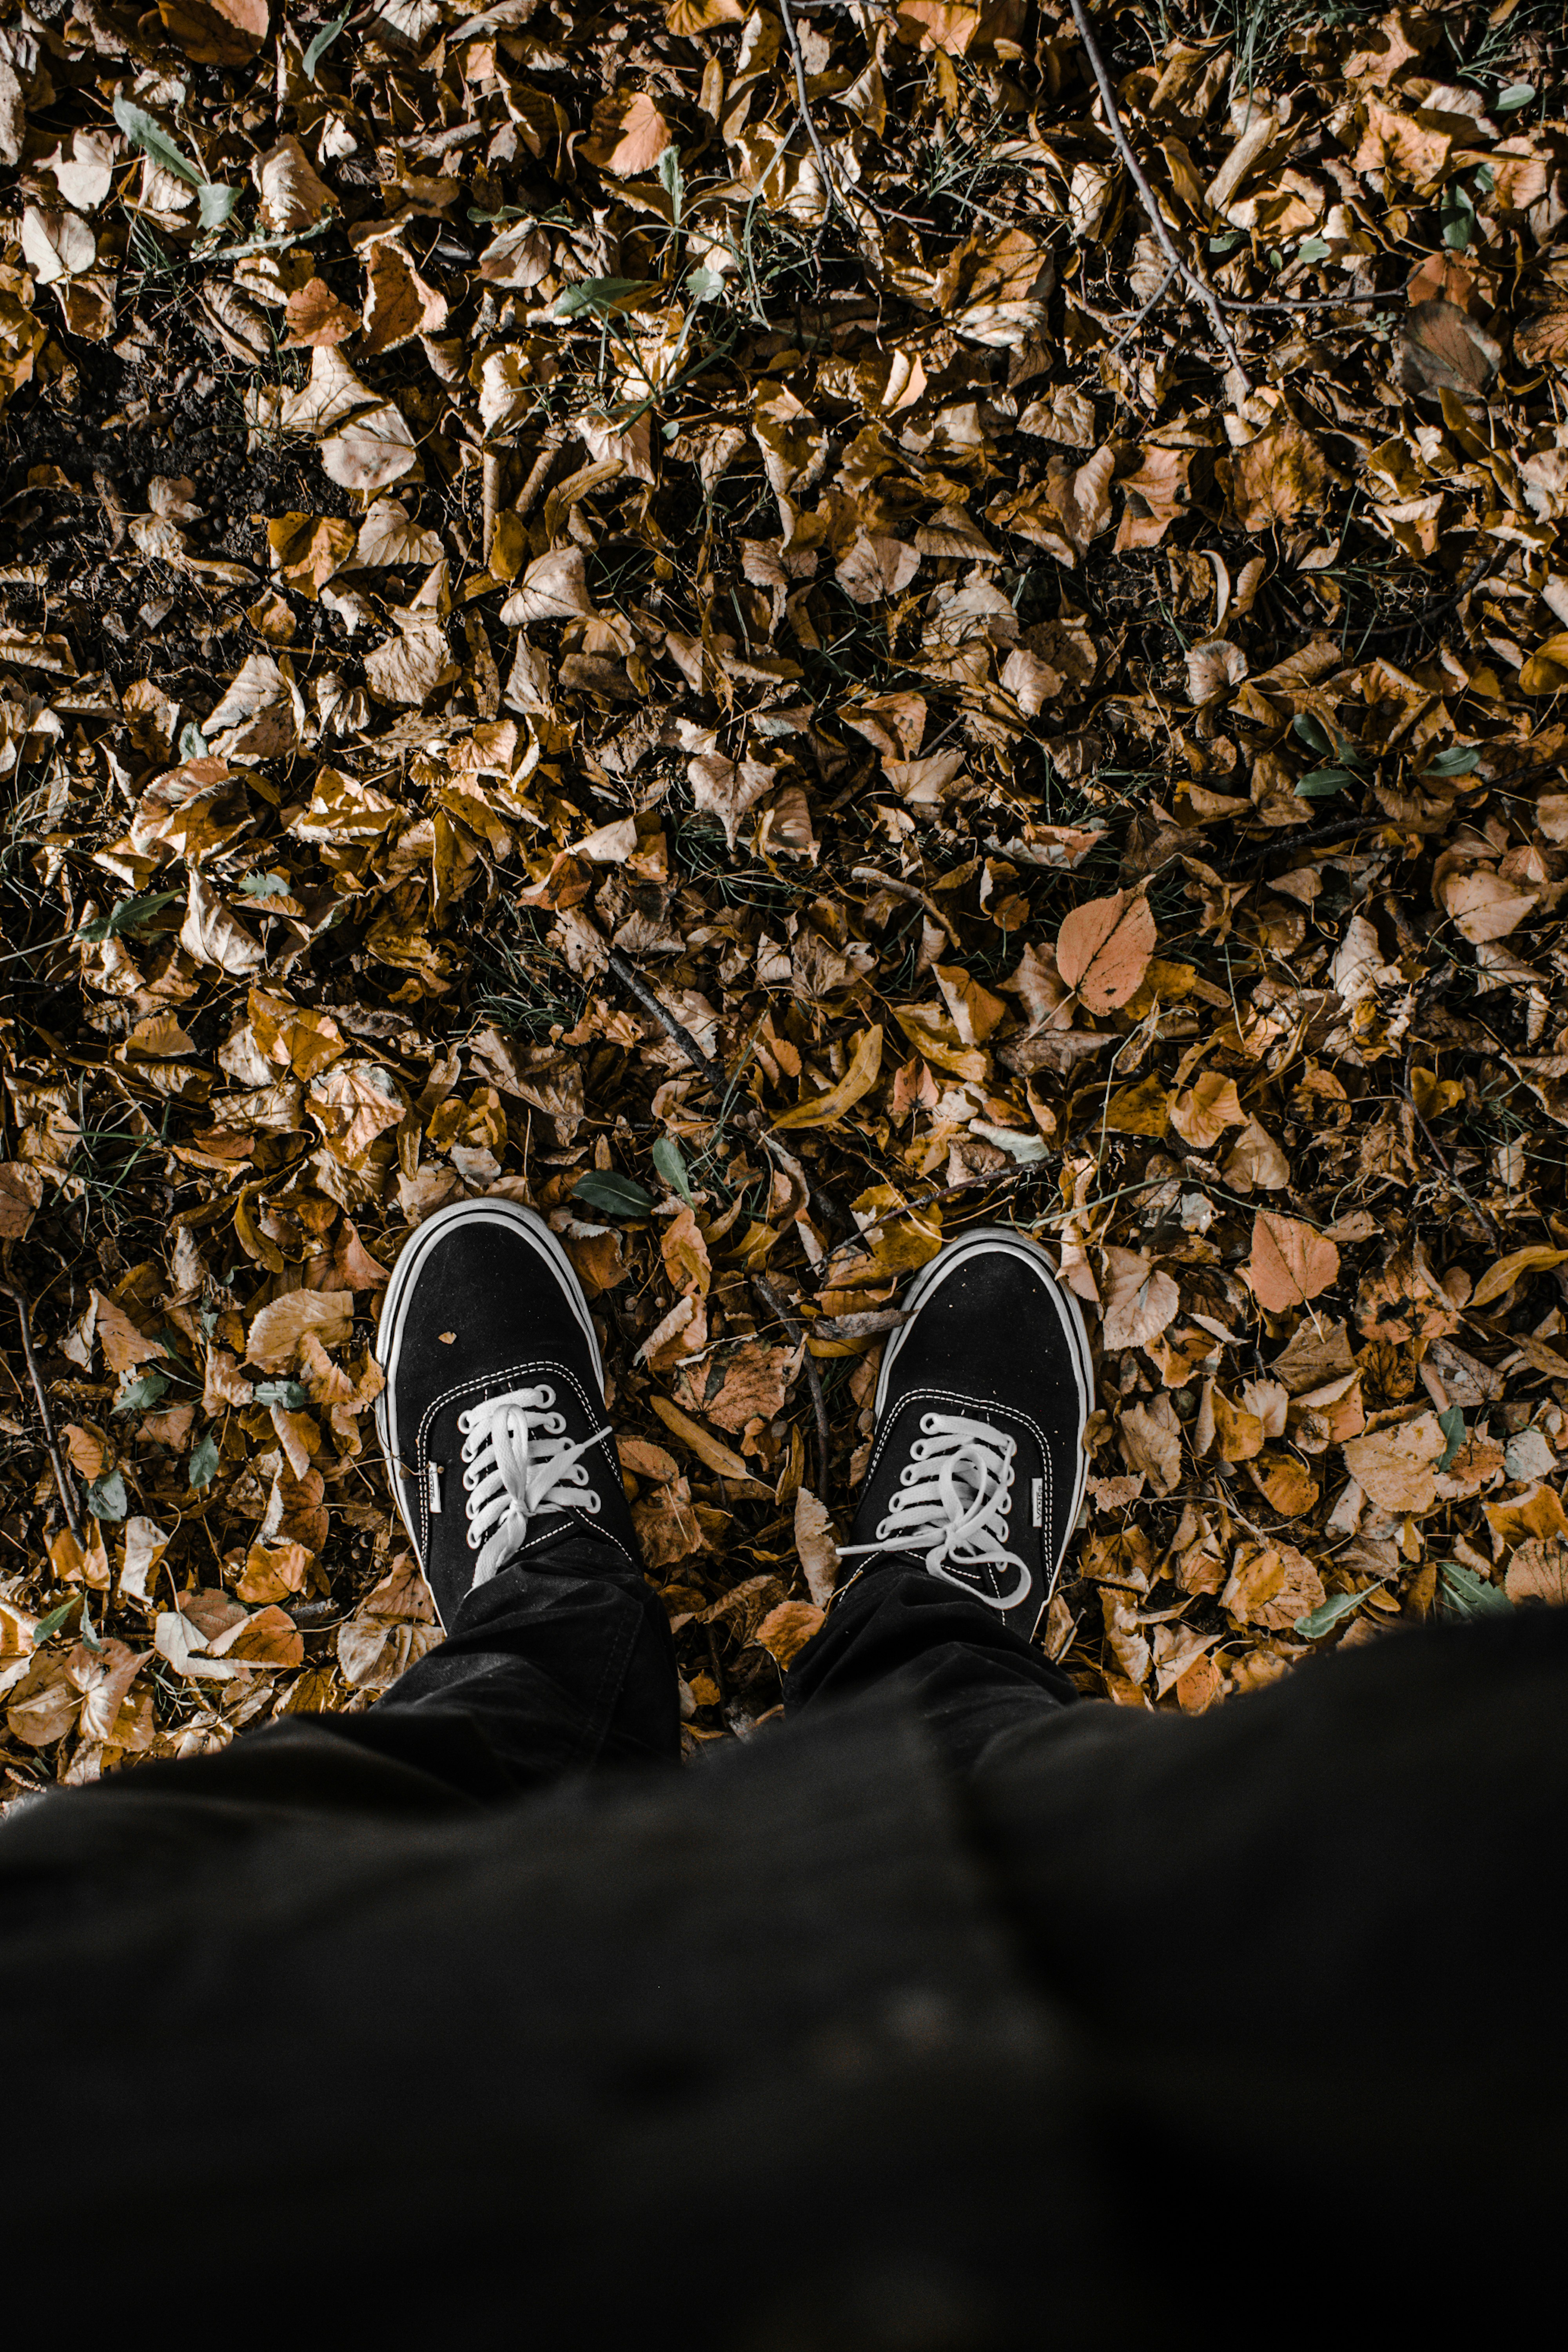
776 632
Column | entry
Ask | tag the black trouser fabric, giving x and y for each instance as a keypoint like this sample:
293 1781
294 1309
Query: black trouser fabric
566 1663
944 2017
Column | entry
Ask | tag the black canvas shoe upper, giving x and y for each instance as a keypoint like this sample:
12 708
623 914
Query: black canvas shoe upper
493 1420
977 1466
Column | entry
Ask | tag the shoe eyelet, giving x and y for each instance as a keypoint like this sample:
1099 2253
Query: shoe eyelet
554 1423
928 1422
544 1396
591 1503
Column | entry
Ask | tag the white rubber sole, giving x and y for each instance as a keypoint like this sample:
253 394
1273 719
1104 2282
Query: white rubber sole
951 1255
529 1227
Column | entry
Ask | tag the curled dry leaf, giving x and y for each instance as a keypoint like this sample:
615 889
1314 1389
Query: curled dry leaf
815 1547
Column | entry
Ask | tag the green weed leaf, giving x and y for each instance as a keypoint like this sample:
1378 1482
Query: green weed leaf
670 1162
107 1499
615 1195
321 44
1334 1611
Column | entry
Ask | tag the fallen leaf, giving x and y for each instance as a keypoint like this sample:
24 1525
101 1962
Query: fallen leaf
1203 1111
857 1081
1137 1301
815 1548
1396 1467
275 1331
1500 1277
786 1631
1289 1262
1272 1585
1103 949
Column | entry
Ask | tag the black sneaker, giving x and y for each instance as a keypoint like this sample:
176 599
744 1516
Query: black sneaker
492 1419
978 1466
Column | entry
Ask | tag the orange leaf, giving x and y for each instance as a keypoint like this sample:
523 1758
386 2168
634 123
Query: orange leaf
1289 1262
629 135
786 1630
1539 1258
1103 949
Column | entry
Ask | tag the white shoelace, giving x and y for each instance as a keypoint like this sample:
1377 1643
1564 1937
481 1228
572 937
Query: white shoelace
951 1505
518 1467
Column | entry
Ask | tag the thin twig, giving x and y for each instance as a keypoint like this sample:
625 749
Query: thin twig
1313 836
1484 1215
769 1298
1431 611
51 1442
491 465
829 187
272 244
1193 278
1303 302
871 876
1136 320
927 1200
633 983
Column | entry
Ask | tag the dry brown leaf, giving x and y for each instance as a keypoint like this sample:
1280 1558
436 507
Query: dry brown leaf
1103 949
814 1546
275 1331
858 1081
1272 1585
786 1631
628 135
1444 349
1274 476
703 1444
1395 1465
1137 1300
21 1193
1539 1257
217 32
1151 1441
1289 1262
1202 1112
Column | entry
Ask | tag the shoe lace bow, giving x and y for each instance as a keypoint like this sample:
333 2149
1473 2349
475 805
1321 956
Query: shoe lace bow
952 1504
518 1465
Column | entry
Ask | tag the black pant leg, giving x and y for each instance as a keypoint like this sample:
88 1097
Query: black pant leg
967 1675
560 1661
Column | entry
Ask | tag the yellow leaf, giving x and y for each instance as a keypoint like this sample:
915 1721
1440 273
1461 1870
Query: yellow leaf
786 1631
706 1447
858 1081
1201 1113
1141 1109
1538 1259
1546 671
1396 1467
